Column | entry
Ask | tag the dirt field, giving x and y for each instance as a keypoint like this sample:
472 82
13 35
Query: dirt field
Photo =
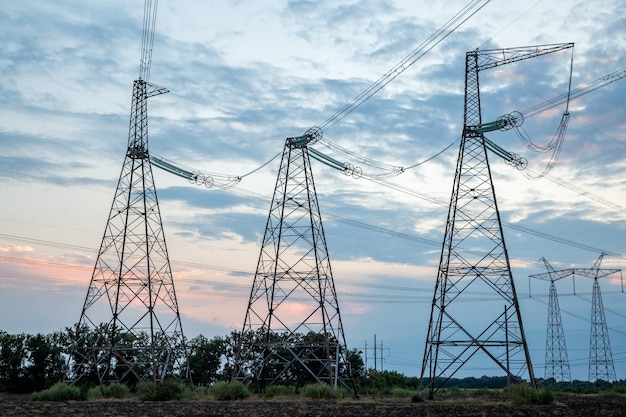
565 406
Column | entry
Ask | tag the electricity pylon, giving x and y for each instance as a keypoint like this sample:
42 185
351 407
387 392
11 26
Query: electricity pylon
557 362
129 328
474 257
601 366
292 329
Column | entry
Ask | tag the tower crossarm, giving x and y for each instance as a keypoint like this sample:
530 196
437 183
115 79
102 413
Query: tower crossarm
155 90
554 275
491 58
595 273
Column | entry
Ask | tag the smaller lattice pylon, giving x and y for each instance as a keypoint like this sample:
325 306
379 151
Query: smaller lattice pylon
601 366
556 360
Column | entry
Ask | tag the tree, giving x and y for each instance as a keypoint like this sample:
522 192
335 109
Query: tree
205 359
12 356
43 363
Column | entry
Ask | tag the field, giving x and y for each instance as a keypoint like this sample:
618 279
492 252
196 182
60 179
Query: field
564 406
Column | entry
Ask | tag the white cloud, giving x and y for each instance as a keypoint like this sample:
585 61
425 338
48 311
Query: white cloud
245 75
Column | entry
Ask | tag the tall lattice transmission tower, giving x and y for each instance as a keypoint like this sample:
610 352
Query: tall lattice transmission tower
292 329
474 257
130 328
601 366
556 363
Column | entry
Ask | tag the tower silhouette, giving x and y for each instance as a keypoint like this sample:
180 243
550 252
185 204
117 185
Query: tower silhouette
292 330
601 366
557 362
129 328
474 258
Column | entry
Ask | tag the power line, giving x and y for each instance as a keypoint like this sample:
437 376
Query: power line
426 46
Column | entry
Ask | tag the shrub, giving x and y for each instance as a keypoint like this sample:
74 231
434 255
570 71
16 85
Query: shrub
229 391
323 392
146 391
279 390
523 394
417 398
618 389
94 393
318 391
58 392
545 396
116 390
169 389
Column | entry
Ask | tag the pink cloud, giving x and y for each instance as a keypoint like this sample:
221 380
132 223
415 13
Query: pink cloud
16 249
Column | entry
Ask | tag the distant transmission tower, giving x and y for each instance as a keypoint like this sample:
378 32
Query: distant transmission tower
129 327
292 329
601 365
557 362
474 259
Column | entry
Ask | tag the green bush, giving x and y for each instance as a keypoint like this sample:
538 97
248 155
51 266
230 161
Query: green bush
524 394
323 392
229 391
94 393
417 398
317 391
146 391
618 389
279 390
58 392
116 390
168 390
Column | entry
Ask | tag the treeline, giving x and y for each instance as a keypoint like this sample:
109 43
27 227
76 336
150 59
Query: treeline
30 363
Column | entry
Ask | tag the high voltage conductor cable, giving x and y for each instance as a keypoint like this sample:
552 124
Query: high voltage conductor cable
231 284
479 295
433 40
514 119
585 193
147 40
409 191
575 93
584 319
204 178
432 157
537 233
208 179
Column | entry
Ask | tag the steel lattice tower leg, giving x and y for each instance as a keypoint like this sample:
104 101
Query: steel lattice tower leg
557 363
474 259
601 365
130 327
292 329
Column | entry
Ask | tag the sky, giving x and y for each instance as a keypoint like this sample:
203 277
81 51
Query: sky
243 76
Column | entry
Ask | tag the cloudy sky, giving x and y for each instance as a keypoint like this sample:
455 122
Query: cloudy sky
243 76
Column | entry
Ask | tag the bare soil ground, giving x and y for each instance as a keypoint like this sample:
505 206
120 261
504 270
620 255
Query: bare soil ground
564 406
